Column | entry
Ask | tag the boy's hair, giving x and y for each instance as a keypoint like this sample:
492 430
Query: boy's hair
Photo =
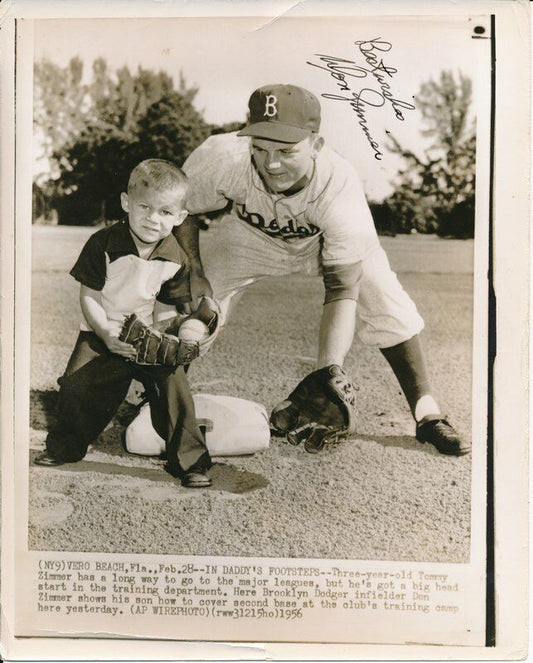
158 174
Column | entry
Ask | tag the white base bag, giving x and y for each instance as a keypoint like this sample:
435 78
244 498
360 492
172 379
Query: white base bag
234 427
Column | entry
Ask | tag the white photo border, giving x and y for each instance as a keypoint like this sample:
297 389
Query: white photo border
510 240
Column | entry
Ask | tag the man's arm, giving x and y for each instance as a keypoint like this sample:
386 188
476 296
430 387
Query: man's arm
336 334
188 235
96 318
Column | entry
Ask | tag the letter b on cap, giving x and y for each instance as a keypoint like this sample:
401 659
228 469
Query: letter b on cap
270 106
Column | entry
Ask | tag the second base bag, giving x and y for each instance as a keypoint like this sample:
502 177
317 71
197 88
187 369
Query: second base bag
234 427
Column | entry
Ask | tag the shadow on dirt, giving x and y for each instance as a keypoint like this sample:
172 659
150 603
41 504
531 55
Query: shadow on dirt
231 479
226 477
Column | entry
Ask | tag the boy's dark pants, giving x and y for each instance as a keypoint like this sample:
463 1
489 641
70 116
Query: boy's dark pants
95 383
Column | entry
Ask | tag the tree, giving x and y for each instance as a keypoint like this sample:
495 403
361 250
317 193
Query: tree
121 99
105 127
94 166
171 129
148 89
59 106
431 189
95 172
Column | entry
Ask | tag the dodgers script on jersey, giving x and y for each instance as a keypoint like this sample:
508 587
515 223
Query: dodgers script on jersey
330 209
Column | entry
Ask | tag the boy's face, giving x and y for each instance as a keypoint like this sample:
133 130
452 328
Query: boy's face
153 213
282 165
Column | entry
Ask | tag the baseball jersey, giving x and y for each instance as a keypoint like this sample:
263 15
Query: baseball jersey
330 209
109 262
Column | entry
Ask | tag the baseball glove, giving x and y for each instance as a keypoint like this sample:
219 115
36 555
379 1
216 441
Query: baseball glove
155 348
320 410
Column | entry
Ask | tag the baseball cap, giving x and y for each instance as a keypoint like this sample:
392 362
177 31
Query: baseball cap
285 113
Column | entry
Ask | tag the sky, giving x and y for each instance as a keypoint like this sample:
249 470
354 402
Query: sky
227 58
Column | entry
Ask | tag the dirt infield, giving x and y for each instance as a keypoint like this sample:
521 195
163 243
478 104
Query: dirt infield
378 495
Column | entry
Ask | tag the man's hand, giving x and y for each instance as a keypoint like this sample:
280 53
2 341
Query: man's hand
187 235
320 410
200 287
110 338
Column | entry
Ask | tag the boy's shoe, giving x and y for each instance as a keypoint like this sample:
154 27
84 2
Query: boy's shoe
195 479
442 435
47 460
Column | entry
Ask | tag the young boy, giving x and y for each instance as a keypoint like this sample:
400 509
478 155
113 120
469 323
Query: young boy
134 266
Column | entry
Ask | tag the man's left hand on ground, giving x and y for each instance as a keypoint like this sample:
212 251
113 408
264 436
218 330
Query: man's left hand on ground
319 410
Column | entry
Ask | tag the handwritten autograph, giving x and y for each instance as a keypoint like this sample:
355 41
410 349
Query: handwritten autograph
341 70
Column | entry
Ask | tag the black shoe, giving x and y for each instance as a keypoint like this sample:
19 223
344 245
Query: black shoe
47 460
442 436
196 479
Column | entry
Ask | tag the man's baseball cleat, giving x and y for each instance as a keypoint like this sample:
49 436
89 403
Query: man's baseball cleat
47 460
442 436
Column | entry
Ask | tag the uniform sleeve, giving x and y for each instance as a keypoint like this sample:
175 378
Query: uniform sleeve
207 169
90 267
177 290
349 234
342 281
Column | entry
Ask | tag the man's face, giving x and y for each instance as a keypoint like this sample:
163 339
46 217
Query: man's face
153 213
282 165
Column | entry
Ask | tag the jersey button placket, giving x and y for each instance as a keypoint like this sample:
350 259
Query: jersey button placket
283 217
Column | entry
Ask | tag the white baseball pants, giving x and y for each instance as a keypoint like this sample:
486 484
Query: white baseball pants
242 255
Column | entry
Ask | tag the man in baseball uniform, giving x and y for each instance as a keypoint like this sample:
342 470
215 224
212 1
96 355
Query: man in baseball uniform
295 206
